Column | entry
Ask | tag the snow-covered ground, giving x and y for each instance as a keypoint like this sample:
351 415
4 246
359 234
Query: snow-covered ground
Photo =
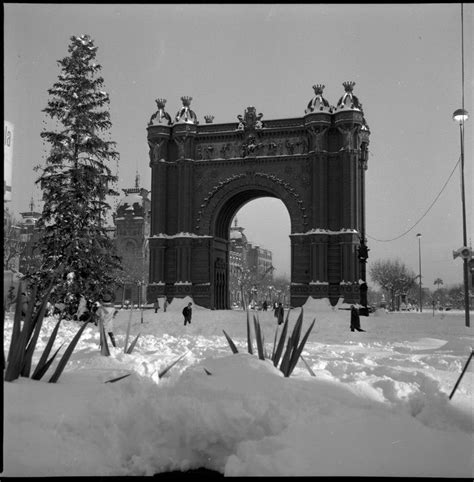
378 405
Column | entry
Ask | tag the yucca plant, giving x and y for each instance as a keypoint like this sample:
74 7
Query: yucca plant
25 335
293 346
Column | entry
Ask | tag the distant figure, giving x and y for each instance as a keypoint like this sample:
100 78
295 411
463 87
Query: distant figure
106 313
187 313
265 305
156 305
165 304
279 313
355 319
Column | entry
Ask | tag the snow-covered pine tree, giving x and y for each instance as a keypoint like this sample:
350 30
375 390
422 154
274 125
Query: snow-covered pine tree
76 180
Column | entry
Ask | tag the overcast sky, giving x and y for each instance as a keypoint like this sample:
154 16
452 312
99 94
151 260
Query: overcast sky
404 58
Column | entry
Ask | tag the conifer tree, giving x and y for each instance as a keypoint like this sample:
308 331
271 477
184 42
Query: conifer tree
76 180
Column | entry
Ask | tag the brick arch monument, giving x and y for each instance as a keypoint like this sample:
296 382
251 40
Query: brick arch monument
203 174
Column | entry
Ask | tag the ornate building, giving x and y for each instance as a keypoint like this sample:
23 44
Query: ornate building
248 264
203 174
132 228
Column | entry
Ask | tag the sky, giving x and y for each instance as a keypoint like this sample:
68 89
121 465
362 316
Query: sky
404 58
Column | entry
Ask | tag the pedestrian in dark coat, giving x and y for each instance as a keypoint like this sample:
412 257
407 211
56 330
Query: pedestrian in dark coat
355 319
156 305
279 313
187 313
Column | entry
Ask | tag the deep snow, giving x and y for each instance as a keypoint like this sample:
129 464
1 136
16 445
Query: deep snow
378 405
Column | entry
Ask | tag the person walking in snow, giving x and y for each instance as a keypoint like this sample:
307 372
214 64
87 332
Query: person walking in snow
156 305
187 313
279 313
355 319
106 313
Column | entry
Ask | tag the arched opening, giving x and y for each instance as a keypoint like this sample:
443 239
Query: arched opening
252 263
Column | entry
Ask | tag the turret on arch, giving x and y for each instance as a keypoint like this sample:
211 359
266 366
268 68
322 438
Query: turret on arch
203 174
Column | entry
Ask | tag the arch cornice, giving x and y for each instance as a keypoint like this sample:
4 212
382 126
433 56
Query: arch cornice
227 196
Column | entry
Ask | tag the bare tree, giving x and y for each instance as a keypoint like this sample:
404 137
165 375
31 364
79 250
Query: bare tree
392 276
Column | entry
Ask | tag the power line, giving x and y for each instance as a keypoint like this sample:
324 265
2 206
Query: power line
425 213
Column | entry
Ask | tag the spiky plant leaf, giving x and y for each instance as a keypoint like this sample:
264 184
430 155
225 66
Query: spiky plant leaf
258 337
298 350
231 343
40 371
12 371
295 337
67 355
207 371
37 323
171 365
285 362
249 335
19 342
281 344
113 380
274 343
132 345
47 350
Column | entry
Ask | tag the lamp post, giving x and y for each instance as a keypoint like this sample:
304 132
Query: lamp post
419 267
460 116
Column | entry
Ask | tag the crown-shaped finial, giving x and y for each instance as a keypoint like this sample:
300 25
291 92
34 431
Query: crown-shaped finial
186 100
209 119
348 86
318 89
160 103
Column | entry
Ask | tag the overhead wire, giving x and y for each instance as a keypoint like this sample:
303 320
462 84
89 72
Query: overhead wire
424 214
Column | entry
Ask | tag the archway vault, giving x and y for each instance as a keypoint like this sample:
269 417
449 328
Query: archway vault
215 217
203 174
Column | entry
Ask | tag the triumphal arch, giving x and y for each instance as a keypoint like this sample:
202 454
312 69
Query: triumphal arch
202 174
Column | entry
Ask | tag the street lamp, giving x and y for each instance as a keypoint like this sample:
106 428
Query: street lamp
460 116
419 266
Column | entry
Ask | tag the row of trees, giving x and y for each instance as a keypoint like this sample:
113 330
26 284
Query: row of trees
400 284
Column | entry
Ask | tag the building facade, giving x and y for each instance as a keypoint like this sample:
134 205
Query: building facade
132 229
203 174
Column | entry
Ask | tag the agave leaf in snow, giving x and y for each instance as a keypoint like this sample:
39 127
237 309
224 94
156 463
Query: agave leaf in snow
281 344
40 371
38 322
249 335
113 380
132 345
67 355
171 365
299 349
46 351
231 343
258 336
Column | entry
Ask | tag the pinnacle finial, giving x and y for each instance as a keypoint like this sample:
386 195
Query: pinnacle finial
137 180
160 103
209 119
186 100
348 85
318 89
